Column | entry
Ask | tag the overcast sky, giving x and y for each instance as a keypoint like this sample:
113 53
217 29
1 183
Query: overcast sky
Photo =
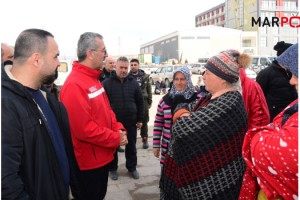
125 24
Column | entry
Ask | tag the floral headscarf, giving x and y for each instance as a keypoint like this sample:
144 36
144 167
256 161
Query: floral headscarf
189 90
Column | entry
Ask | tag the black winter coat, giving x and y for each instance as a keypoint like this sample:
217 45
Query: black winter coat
144 82
276 87
125 98
105 74
30 168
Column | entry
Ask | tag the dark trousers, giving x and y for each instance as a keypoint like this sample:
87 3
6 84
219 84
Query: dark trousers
144 129
94 182
130 149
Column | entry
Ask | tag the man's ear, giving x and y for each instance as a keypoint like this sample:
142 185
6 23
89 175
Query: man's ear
35 59
89 54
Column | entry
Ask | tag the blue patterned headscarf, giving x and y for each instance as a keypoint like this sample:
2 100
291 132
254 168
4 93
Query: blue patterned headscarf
189 90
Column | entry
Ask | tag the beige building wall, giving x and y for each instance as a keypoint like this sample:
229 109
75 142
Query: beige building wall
250 10
239 14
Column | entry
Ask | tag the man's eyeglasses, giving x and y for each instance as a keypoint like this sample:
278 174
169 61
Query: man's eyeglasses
102 50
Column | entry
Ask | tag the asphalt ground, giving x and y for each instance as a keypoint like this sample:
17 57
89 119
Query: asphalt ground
144 188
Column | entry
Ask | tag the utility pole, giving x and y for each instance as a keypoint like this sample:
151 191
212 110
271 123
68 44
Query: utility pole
119 44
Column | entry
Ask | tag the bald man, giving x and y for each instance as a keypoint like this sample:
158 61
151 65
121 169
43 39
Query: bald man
7 52
109 67
110 64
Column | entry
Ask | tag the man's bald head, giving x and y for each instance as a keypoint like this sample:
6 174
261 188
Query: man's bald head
7 52
110 64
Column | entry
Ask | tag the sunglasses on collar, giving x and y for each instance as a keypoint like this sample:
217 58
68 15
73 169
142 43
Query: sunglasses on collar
289 74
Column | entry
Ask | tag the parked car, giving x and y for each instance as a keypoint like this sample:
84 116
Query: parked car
145 68
197 68
64 70
153 68
148 69
165 72
260 62
203 60
272 58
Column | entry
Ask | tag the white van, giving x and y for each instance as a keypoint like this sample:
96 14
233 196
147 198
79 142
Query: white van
64 70
261 62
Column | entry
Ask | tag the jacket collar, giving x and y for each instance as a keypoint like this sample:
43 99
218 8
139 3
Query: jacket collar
7 70
11 83
276 65
140 72
86 70
128 77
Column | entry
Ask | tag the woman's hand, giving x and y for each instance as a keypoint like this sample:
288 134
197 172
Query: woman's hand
156 152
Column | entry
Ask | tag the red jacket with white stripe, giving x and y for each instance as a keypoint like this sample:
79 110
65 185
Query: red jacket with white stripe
94 128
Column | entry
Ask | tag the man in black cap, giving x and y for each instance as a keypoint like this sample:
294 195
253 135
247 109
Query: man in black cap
274 82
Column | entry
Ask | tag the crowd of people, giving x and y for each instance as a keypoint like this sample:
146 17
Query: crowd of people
227 137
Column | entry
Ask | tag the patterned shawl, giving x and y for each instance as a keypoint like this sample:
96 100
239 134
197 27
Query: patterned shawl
204 158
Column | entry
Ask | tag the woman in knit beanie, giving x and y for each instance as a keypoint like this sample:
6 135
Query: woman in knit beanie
271 152
204 158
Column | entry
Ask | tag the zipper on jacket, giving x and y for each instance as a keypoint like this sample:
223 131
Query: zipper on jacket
40 120
94 152
123 97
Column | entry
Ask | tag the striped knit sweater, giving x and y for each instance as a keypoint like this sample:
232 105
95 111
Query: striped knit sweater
204 159
163 121
162 128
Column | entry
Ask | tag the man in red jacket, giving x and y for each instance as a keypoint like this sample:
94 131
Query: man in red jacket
96 134
255 102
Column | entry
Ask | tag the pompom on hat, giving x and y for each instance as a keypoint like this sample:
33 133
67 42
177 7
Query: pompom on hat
289 59
227 64
281 46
